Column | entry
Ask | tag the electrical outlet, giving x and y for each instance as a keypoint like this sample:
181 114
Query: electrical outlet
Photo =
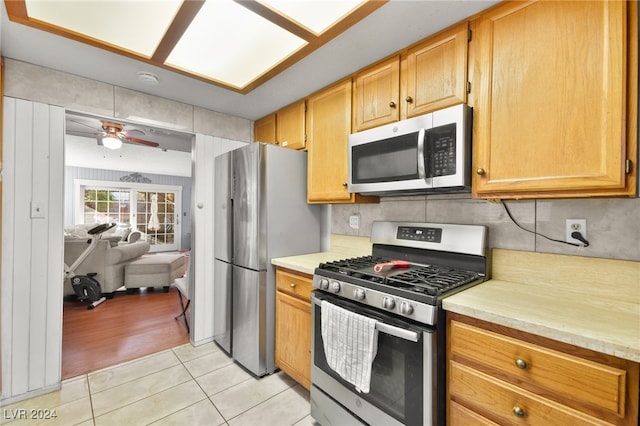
576 225
354 221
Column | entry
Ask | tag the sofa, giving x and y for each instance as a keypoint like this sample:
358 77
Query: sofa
107 260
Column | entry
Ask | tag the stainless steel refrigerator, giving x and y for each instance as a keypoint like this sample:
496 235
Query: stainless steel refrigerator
261 212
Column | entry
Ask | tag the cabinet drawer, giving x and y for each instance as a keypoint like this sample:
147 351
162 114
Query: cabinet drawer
573 380
508 404
294 284
460 415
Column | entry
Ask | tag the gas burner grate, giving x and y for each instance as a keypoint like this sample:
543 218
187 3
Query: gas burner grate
353 266
433 280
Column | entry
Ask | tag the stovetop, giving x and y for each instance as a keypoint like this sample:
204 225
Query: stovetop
439 260
430 280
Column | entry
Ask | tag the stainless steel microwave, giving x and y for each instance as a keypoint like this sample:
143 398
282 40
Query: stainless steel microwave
428 153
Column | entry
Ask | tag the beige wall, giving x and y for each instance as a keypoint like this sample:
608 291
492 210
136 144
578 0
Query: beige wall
39 84
613 224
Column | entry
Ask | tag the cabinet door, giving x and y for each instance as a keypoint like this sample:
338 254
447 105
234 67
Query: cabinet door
376 95
436 73
290 128
552 103
293 337
264 129
507 404
329 120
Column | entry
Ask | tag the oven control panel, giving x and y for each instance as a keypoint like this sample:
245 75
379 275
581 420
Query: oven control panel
417 311
414 233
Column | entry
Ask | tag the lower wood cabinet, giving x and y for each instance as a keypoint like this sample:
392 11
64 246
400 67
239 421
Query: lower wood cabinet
498 375
293 325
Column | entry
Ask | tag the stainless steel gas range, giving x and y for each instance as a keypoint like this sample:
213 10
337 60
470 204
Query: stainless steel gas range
387 307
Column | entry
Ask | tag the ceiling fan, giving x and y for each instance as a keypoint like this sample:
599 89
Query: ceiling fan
111 135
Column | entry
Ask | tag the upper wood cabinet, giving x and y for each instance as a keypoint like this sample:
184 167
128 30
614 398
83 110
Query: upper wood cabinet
290 126
427 76
436 73
376 95
556 110
329 126
285 127
264 129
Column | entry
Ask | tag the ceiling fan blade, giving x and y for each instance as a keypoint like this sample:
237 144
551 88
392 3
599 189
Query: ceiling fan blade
141 142
83 124
134 132
85 134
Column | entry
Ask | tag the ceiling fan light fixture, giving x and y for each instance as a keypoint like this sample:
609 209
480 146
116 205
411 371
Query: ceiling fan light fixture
111 142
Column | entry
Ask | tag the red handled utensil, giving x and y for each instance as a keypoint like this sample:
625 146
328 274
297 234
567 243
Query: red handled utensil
379 267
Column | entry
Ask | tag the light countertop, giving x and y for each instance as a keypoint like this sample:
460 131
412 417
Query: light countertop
341 247
587 302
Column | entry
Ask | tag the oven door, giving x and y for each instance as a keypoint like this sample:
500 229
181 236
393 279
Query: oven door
403 378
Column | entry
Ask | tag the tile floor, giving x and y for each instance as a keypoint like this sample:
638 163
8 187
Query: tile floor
183 386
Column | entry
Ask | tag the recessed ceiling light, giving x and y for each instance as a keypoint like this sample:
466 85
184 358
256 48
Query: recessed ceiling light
148 77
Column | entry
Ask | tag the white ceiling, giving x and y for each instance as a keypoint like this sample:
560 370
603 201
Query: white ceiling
137 158
394 26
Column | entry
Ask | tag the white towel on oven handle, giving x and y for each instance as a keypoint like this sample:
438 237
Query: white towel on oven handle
350 344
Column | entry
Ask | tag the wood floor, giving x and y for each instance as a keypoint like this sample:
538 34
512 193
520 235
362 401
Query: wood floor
121 329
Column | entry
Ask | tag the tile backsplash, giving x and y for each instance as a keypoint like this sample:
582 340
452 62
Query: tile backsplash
613 224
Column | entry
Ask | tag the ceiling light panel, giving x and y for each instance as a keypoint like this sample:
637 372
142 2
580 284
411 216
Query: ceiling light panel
316 15
136 25
229 43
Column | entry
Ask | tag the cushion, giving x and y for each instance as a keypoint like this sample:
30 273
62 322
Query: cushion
154 271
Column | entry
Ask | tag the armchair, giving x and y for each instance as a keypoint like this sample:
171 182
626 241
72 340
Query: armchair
107 261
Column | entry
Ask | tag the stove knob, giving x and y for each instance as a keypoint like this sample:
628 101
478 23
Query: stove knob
358 294
324 284
335 287
388 303
406 308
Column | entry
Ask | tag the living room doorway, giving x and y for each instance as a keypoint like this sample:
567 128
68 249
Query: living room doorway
147 189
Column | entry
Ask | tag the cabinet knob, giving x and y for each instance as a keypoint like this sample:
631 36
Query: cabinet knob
521 364
518 411
392 104
292 285
345 184
409 99
481 171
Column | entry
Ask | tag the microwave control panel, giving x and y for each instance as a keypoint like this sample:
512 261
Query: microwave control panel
441 142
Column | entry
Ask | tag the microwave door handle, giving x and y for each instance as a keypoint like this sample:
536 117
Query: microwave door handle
397 332
421 137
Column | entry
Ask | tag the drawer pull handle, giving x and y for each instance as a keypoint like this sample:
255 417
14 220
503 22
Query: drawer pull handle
518 411
292 285
521 364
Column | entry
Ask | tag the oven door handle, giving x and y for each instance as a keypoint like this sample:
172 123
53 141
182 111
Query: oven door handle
397 332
